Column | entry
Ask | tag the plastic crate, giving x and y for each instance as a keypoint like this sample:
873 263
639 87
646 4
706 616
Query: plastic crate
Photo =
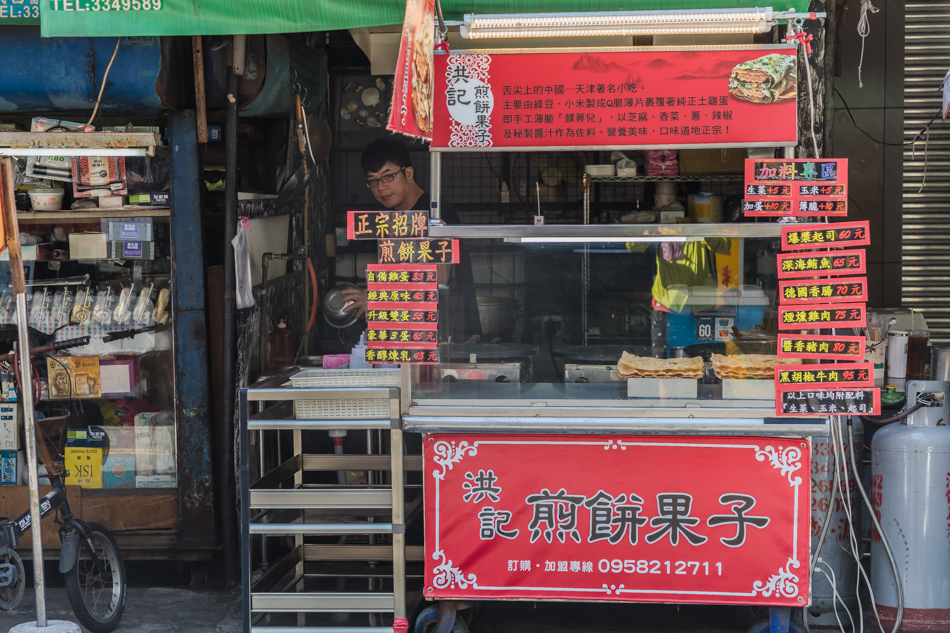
343 409
346 378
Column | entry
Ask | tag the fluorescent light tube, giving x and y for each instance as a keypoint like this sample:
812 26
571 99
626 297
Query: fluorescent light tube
73 151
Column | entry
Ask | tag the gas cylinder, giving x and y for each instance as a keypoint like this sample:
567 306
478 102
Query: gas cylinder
910 490
835 560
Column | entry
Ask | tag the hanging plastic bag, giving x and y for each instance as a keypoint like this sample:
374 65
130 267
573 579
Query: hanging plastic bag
242 268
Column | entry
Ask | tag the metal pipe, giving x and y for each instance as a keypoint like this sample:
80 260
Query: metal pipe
228 379
265 265
435 186
26 383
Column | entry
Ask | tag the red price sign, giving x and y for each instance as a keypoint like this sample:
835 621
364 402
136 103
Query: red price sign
384 274
403 356
796 188
401 315
796 237
614 518
850 348
810 317
794 402
383 299
830 376
385 338
836 290
820 263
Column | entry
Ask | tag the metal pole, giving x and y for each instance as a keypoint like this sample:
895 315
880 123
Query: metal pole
226 443
26 392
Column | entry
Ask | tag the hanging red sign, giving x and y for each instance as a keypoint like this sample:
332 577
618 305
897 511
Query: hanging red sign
796 187
836 290
411 111
820 263
795 402
443 251
591 98
826 376
733 528
403 356
821 347
796 237
378 225
384 338
810 317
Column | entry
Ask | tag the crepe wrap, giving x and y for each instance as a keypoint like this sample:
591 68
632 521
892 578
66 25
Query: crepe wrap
765 80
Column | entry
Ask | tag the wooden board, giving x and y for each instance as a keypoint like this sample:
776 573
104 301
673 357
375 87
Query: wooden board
120 512
15 500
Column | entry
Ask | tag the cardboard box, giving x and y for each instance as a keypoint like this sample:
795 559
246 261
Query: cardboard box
8 468
153 199
697 162
88 246
131 250
73 377
85 449
121 438
671 217
156 481
154 445
118 469
142 230
9 426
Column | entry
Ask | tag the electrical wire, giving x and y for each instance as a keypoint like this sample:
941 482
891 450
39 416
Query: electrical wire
864 29
878 141
880 531
831 504
102 88
846 504
838 598
811 100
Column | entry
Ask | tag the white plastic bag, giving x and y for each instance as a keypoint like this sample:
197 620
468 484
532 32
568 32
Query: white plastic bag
242 269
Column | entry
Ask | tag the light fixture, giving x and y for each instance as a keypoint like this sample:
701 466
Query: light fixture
600 240
78 143
618 23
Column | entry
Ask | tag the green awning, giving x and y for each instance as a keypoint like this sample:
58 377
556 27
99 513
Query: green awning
100 18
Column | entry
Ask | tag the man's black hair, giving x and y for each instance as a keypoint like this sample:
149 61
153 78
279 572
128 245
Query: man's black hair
383 151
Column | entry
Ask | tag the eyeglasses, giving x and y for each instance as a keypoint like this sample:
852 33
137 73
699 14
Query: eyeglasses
372 183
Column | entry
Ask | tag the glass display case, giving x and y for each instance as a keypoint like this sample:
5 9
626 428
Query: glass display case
106 409
636 319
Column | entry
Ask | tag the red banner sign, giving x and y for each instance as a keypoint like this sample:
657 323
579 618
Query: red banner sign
612 518
411 111
827 376
796 187
810 317
851 262
379 225
796 237
418 251
795 402
616 99
821 347
839 289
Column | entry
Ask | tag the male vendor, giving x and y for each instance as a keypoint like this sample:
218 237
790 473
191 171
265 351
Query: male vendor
391 177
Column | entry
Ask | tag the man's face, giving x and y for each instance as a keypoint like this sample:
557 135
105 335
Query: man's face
394 193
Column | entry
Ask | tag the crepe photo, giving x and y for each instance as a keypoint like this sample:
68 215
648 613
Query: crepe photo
769 79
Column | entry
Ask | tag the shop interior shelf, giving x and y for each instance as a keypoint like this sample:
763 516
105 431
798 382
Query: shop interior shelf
93 214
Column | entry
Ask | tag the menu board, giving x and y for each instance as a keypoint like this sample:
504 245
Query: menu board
597 98
402 317
821 263
796 237
807 317
796 187
850 375
821 347
824 402
836 290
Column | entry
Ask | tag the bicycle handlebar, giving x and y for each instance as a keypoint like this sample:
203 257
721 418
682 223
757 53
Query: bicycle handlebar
55 346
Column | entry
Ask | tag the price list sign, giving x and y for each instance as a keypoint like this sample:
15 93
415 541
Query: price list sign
796 188
814 293
402 314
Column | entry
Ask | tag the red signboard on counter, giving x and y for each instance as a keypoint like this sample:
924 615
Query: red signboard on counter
796 187
810 317
826 376
795 402
591 98
613 518
821 263
796 237
821 347
835 290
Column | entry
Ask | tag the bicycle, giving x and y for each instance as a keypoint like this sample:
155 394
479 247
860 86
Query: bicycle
89 559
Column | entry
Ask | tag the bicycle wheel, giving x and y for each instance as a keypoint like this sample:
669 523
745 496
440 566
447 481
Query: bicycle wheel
96 591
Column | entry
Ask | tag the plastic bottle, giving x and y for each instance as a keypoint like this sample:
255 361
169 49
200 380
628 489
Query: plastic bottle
280 346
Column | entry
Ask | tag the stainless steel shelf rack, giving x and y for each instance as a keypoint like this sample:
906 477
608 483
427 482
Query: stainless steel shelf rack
283 510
